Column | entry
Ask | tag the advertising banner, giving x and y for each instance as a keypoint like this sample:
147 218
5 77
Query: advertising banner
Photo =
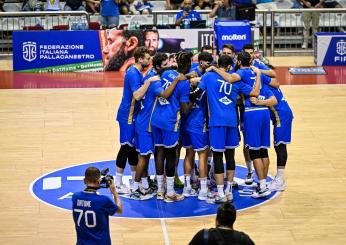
237 33
106 50
56 51
330 49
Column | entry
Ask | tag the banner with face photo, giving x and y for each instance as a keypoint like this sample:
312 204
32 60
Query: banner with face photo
106 50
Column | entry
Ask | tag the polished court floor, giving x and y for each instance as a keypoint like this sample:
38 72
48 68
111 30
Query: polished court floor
45 129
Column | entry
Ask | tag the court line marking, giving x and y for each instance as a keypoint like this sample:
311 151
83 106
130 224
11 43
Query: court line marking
164 230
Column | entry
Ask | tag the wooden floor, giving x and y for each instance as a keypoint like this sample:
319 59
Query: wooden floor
46 129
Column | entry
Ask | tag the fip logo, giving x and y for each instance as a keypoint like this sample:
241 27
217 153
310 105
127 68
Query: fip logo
341 47
56 189
29 51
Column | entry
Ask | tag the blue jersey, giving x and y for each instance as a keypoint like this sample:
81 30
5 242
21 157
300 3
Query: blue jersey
281 112
129 107
192 16
109 8
90 215
196 121
260 65
193 66
249 77
196 69
147 103
222 98
167 111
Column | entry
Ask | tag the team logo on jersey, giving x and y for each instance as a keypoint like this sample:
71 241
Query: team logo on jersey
163 101
56 189
341 47
29 51
225 100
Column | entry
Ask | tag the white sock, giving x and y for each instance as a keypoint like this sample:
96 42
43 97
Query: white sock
204 185
145 183
118 179
263 184
133 174
170 186
280 173
135 186
229 186
220 191
159 183
249 166
187 181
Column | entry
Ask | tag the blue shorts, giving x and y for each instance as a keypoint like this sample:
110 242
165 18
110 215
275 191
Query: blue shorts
165 138
257 128
282 134
222 138
127 134
198 142
144 143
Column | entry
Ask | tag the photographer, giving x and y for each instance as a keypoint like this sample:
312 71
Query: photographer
91 210
224 232
186 15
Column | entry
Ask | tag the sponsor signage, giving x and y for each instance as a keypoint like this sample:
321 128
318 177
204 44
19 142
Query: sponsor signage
330 49
236 33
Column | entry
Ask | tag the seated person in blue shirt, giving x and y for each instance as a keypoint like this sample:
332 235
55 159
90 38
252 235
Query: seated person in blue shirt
187 14
223 9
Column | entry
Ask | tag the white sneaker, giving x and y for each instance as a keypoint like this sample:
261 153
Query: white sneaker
304 45
229 196
202 195
189 192
217 199
122 189
277 184
249 178
261 193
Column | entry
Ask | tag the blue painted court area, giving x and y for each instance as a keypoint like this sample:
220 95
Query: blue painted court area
56 189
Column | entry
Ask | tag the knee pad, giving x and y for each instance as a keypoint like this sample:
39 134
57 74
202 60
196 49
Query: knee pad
230 162
170 155
218 162
254 154
264 153
133 156
281 155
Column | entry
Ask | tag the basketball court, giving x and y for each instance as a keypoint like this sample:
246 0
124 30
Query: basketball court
55 121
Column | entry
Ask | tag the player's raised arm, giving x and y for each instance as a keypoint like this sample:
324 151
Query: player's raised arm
140 93
230 78
168 91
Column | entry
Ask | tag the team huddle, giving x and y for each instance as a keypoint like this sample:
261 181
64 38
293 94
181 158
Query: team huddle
200 106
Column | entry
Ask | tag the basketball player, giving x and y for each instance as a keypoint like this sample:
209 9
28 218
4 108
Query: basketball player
91 210
282 117
144 140
256 124
195 136
165 123
223 130
265 70
134 90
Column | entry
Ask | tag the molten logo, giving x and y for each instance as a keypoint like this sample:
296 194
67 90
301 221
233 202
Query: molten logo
233 37
29 51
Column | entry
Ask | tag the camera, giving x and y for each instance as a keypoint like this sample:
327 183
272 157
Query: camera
105 178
